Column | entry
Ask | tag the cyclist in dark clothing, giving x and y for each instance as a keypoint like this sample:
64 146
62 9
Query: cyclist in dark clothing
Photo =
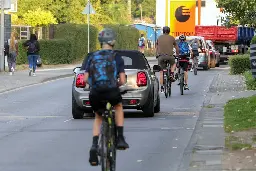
101 70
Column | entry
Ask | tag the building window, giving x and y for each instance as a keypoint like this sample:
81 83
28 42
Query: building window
202 3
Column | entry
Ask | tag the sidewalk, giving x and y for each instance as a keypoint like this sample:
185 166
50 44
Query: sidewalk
208 142
21 78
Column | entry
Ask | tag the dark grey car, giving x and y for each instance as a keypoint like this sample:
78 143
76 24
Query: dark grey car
142 85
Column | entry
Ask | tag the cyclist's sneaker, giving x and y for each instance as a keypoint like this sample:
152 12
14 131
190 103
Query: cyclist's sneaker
93 160
186 87
121 143
191 70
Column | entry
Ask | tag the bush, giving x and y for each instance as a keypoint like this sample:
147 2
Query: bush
127 37
239 63
77 36
56 51
150 52
70 43
253 41
250 81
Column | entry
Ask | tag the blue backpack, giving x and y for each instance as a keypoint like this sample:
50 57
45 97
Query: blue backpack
103 70
184 48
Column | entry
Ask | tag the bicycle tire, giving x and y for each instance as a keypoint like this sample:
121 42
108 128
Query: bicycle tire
195 70
170 88
113 141
104 154
182 83
166 85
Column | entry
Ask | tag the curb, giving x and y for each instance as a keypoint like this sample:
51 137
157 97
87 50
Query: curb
42 81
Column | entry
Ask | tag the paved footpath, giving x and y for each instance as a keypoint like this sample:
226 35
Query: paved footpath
207 147
21 78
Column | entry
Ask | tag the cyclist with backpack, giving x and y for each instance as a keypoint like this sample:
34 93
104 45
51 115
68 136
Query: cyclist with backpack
101 71
33 49
195 47
184 55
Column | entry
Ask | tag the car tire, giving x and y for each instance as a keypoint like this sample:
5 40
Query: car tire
148 109
157 107
77 112
205 68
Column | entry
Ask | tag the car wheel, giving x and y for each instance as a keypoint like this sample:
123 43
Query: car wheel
205 67
218 64
148 109
157 107
77 112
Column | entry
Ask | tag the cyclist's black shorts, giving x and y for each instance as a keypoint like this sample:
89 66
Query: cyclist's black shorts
183 62
113 96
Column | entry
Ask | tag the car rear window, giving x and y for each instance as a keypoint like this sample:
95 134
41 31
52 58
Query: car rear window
133 60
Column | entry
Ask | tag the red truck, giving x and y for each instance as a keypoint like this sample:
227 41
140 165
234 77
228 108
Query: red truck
224 39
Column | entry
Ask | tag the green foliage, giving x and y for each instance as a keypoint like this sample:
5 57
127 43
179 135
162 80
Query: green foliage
70 43
239 63
38 17
77 35
250 81
127 37
253 41
243 11
148 8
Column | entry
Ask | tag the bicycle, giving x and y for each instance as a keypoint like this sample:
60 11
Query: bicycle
108 138
180 76
195 64
167 80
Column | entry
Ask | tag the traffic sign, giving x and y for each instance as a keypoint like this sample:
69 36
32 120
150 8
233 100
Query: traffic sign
7 4
88 9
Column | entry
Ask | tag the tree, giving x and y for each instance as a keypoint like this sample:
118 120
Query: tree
239 10
148 8
38 18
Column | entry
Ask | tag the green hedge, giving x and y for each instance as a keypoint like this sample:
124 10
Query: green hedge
239 63
70 43
127 37
56 51
250 81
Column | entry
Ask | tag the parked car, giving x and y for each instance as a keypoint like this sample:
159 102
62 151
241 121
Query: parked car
204 57
214 53
142 85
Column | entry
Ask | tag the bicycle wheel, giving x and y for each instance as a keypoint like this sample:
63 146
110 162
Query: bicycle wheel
112 144
195 66
104 150
169 88
181 83
166 85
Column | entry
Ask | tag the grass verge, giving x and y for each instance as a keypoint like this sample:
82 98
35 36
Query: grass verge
234 143
239 114
250 81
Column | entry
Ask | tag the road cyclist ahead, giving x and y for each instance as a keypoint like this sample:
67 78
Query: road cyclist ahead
104 71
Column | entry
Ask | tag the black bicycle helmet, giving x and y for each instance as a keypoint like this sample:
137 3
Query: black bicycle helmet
182 37
107 36
166 30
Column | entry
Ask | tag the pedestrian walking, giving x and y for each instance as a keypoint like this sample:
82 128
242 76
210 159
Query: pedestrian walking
11 51
33 49
141 43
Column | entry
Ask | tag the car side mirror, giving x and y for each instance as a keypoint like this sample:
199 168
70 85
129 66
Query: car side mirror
156 68
75 70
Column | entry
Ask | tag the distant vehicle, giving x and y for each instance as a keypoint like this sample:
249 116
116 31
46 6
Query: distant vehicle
214 53
142 83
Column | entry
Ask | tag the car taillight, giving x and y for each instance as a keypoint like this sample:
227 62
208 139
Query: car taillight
141 79
80 81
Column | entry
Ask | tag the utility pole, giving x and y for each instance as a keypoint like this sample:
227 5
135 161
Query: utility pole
141 12
199 5
129 4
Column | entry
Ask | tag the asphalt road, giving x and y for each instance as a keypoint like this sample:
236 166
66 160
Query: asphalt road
37 132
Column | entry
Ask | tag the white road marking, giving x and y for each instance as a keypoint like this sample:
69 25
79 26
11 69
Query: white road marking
139 161
68 120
